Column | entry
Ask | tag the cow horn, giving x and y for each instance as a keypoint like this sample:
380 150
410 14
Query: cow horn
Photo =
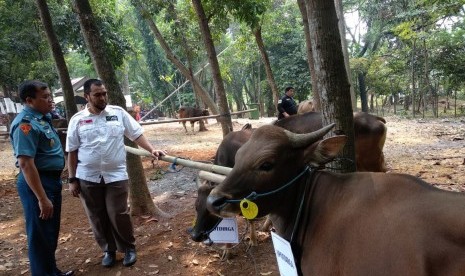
301 140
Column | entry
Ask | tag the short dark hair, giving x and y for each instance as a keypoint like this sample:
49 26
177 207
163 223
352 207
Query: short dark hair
91 82
30 88
288 88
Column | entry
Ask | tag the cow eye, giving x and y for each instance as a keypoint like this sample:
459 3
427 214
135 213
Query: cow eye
267 166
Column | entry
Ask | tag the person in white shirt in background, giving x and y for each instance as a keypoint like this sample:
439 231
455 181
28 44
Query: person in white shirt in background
97 170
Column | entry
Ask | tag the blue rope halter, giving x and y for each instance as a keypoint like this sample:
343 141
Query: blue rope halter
254 195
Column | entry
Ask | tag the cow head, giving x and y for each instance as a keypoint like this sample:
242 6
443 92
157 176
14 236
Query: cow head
205 221
270 159
205 112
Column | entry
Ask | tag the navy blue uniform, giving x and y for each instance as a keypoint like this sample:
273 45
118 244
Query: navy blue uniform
288 105
33 135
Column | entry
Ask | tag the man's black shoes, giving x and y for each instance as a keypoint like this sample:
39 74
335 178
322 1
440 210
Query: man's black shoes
130 257
109 259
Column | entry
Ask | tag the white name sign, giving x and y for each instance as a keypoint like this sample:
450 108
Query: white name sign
225 232
284 255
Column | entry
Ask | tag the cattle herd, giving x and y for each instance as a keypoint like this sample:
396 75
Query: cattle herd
363 223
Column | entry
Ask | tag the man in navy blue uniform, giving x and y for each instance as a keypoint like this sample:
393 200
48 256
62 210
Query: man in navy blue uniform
40 159
287 105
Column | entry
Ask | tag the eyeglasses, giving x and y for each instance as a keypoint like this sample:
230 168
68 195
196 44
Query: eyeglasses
46 97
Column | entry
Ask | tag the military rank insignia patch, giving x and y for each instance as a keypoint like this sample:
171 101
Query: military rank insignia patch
25 128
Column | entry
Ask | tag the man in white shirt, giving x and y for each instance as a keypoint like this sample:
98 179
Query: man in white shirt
97 170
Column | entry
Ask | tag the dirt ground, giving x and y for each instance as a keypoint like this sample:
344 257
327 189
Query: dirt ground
432 149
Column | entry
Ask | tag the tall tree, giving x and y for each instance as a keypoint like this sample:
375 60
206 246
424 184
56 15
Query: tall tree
61 66
250 12
175 60
332 79
157 65
257 32
342 33
308 47
24 52
225 119
140 199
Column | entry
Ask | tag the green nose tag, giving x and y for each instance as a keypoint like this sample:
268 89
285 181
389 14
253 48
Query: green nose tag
249 209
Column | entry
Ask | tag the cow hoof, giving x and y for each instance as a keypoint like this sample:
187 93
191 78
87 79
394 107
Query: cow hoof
251 243
226 255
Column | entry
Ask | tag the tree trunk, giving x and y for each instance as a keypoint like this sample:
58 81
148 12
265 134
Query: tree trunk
60 62
332 82
225 119
345 52
308 46
266 62
139 195
363 91
175 60
413 77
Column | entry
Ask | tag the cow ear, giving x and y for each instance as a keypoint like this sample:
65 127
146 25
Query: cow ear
325 150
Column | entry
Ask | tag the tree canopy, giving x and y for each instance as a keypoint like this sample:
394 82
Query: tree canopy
407 47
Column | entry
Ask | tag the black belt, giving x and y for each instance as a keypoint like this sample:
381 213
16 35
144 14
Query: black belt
52 174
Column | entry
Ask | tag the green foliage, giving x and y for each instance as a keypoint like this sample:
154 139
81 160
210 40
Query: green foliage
80 65
424 36
111 25
285 40
23 46
383 53
405 31
246 11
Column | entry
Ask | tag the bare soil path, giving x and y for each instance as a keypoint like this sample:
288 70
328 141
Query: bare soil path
433 150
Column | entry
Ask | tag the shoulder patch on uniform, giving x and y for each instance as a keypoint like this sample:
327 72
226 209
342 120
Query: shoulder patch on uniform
280 101
25 128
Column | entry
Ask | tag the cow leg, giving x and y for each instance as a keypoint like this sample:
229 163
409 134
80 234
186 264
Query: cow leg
226 255
266 225
202 126
192 127
253 241
184 125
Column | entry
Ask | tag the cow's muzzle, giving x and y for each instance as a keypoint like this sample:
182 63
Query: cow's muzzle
196 235
215 204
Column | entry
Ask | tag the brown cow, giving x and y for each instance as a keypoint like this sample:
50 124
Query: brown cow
305 106
369 131
191 112
369 156
351 224
205 222
369 135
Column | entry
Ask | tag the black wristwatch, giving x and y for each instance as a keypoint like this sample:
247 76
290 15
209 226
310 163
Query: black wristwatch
72 179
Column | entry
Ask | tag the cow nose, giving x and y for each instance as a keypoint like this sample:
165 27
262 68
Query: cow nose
215 203
196 235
